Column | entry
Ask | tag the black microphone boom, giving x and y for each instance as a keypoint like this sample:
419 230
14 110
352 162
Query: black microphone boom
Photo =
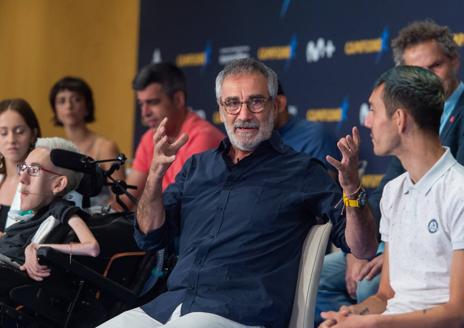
73 161
94 178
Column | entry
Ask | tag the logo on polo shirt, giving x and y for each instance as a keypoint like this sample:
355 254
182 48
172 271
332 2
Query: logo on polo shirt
433 226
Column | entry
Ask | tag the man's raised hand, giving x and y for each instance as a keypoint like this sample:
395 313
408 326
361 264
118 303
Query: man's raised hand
165 148
348 166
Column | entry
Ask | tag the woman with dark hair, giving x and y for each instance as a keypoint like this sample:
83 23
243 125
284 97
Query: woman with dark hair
72 103
19 130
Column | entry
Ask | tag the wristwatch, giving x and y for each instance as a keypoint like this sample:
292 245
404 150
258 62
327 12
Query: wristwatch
358 200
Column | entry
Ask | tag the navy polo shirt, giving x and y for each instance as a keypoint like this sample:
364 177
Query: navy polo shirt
241 228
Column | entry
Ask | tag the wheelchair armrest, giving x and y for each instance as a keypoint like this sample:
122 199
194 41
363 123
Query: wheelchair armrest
52 257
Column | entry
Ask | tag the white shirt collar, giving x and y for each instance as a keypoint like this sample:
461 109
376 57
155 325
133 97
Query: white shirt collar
428 180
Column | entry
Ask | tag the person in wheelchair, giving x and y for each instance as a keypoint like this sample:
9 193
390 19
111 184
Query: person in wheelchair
42 186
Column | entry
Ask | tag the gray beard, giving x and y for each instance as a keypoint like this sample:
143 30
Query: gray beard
264 133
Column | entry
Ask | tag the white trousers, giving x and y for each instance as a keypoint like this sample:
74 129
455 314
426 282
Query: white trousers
137 318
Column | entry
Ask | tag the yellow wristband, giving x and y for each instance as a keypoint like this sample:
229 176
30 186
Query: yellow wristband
359 202
350 202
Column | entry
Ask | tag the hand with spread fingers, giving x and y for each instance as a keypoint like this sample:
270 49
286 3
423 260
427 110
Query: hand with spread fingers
31 265
348 166
165 149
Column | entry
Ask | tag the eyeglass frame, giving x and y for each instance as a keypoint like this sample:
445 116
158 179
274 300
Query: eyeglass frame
247 102
20 168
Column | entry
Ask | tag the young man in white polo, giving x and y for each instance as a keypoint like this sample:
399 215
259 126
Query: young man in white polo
422 221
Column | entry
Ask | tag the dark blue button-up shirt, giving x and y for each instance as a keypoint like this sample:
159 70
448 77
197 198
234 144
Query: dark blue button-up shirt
241 229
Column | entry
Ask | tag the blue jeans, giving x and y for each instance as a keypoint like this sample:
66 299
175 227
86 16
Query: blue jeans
332 287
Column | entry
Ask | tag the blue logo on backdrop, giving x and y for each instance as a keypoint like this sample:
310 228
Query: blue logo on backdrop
293 44
433 226
385 44
208 53
345 105
284 8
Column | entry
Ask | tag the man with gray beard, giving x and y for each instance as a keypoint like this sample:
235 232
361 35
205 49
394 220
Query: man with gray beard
241 213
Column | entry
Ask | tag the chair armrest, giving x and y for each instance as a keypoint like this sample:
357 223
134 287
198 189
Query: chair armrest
52 257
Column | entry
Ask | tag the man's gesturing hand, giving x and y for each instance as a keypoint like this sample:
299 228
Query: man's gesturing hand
348 167
165 149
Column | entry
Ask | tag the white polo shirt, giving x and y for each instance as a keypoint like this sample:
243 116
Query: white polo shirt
423 223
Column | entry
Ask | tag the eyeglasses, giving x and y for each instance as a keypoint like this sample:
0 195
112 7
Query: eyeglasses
33 170
254 105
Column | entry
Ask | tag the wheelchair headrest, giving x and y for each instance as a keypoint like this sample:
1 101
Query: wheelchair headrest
91 185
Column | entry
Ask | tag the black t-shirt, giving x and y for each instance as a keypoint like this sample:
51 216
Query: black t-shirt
19 235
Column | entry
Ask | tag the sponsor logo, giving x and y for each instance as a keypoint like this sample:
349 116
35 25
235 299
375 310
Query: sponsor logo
217 118
156 58
369 46
292 109
459 39
286 52
321 48
337 114
195 58
200 112
363 111
229 54
324 114
371 180
362 46
433 226
362 167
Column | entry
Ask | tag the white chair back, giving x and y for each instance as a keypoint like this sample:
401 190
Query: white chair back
312 258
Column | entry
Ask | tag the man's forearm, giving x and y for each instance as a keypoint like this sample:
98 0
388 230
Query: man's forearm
361 232
372 305
446 315
150 208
